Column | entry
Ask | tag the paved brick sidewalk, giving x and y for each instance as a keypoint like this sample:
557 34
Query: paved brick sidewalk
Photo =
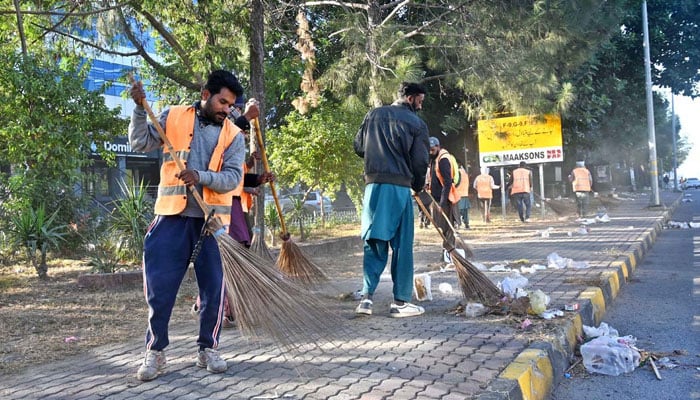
435 356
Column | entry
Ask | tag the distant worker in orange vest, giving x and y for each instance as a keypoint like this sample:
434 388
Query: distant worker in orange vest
484 185
520 190
582 183
461 209
442 169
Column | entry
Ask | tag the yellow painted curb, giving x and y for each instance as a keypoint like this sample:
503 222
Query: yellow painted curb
623 267
613 281
573 331
533 371
632 260
595 295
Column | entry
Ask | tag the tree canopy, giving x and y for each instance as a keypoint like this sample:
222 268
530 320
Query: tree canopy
582 59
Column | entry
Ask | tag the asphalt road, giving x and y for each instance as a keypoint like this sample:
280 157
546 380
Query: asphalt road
661 308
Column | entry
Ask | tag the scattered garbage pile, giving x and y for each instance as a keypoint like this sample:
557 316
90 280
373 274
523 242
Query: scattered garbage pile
682 225
606 352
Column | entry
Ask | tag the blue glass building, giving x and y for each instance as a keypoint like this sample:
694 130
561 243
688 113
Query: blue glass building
103 181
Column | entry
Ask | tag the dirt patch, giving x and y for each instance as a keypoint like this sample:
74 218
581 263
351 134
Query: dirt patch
44 321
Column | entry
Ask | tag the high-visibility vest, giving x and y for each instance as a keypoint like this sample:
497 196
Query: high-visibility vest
172 192
483 186
582 180
463 186
453 196
521 181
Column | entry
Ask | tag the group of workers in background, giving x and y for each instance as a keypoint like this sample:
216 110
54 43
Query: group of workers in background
519 185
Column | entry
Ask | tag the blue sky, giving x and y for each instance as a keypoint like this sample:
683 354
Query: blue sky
688 112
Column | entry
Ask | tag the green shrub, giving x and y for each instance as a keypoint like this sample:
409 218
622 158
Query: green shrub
129 220
36 233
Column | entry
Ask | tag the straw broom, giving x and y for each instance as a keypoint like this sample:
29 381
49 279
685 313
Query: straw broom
474 284
291 260
458 239
559 208
264 302
258 245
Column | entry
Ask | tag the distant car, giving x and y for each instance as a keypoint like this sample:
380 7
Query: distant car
312 202
691 183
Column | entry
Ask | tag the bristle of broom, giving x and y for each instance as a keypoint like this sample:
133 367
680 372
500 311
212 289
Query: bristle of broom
259 247
293 262
461 244
475 284
559 208
266 303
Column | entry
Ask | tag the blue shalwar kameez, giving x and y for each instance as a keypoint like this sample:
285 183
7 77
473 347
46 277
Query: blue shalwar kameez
387 220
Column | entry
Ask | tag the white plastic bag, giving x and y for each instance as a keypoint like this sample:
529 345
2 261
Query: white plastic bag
510 285
554 261
602 330
609 355
473 310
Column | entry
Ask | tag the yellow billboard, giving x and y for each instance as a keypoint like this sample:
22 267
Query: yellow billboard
530 138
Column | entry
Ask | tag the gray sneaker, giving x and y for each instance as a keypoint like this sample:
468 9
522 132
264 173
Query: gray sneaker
212 361
153 365
364 308
406 310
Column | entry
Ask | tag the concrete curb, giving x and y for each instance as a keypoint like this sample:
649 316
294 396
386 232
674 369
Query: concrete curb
537 369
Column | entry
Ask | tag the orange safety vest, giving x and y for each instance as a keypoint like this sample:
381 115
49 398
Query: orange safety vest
172 192
453 196
463 187
521 181
483 186
582 180
246 198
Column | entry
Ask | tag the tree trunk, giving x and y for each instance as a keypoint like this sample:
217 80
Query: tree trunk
40 266
257 90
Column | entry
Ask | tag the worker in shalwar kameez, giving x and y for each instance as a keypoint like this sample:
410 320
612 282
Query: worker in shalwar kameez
212 151
393 141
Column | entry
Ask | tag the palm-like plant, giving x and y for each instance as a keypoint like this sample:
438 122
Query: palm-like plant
272 220
129 220
297 213
36 233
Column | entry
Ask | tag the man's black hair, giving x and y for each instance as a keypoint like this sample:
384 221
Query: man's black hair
223 79
410 89
523 163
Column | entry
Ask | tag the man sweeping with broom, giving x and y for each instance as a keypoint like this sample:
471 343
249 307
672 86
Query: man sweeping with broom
213 150
393 141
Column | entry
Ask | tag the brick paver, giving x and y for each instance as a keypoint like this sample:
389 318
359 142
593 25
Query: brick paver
435 356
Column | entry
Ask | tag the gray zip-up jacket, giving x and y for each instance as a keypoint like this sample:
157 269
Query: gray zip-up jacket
393 141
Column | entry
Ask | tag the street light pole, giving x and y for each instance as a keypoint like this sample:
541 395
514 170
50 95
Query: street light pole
673 135
653 167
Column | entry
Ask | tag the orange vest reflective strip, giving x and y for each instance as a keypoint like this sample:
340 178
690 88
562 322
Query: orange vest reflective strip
463 187
582 180
172 193
521 181
483 186
453 196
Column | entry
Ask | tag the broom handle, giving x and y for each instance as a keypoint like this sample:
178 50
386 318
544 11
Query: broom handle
430 217
441 212
171 150
263 155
